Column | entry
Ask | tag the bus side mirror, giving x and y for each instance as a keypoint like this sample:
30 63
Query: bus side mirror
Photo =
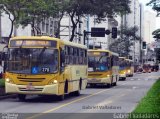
62 57
3 56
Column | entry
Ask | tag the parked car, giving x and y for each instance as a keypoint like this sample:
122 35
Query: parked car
147 68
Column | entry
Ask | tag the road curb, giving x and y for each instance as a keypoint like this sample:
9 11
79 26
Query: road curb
8 96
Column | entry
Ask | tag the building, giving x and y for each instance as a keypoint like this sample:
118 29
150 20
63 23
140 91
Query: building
149 25
66 29
135 18
46 27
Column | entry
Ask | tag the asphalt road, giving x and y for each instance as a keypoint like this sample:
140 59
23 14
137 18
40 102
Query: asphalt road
97 101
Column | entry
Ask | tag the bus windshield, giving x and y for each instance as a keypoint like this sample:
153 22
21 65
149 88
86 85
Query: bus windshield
98 63
32 61
122 64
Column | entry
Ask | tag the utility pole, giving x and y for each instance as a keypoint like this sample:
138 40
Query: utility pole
140 42
0 27
134 32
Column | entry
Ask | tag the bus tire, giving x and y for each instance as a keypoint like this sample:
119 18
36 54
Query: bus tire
66 87
93 85
62 97
77 93
124 78
108 85
115 83
22 97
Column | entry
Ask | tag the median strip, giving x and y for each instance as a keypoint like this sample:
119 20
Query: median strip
150 104
3 95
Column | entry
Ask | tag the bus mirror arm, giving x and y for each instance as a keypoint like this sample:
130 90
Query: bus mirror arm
61 69
62 57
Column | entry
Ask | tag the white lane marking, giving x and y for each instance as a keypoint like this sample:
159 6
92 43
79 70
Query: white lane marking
139 79
123 84
146 79
134 87
132 79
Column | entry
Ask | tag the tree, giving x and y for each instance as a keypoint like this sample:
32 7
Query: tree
36 11
14 9
123 44
155 5
156 34
60 12
102 9
24 12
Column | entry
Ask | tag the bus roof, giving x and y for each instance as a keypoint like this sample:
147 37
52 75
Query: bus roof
98 50
113 53
34 37
74 44
65 42
122 57
101 50
129 60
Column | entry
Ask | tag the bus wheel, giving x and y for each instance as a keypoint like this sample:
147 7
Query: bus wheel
115 83
61 97
109 85
92 85
77 93
21 97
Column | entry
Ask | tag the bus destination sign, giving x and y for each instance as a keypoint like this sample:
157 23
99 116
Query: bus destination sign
33 43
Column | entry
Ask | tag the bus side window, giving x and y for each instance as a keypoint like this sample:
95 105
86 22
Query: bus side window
85 57
66 55
112 60
62 60
71 55
81 56
74 55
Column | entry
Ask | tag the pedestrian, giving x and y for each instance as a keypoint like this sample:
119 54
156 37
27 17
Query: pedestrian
1 71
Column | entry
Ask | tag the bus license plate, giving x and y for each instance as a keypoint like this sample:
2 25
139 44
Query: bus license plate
95 80
30 87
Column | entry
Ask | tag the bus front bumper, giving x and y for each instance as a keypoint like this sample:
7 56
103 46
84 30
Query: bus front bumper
99 80
122 76
23 89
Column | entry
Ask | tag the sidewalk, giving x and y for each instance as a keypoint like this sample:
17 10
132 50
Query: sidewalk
3 95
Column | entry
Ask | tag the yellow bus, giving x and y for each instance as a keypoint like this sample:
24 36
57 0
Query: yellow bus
130 68
45 66
102 68
122 68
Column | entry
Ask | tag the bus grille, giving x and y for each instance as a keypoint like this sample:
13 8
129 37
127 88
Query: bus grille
94 75
35 89
31 79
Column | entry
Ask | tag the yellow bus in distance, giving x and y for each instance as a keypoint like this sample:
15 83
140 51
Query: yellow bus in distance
122 68
130 67
102 68
44 65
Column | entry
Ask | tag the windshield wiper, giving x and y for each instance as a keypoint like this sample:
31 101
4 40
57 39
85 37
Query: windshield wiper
44 48
40 55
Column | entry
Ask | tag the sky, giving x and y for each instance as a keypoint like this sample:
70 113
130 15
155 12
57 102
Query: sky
150 8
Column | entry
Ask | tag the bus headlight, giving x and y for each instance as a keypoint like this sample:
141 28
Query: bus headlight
53 82
129 71
9 80
108 75
124 72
